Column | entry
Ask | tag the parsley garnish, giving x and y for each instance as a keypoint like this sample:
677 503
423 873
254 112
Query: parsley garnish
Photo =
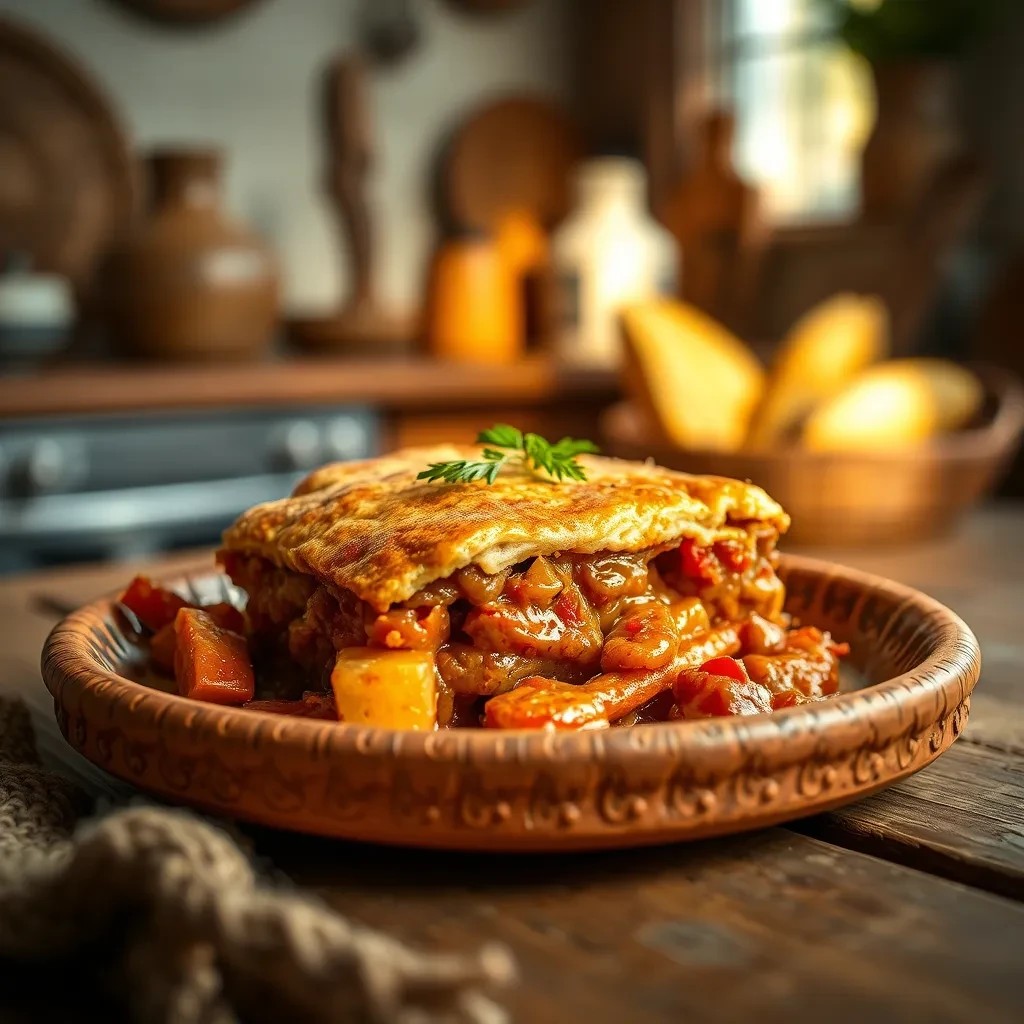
506 445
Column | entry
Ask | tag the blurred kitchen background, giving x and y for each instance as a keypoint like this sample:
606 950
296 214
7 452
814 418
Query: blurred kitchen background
240 238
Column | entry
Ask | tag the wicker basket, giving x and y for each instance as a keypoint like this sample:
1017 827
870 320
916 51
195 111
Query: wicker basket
852 498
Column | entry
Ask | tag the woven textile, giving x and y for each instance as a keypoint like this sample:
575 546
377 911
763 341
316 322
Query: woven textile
182 930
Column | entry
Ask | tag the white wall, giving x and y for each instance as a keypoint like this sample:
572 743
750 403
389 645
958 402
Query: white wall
250 85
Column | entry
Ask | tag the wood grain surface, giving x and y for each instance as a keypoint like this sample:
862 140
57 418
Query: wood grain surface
962 818
767 927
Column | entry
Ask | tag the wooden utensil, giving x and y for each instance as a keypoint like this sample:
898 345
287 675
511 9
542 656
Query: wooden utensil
513 154
714 216
361 323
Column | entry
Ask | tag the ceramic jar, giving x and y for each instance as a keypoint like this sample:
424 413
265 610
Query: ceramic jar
189 282
609 253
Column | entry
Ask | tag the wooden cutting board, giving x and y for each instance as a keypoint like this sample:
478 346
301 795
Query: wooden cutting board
67 174
515 153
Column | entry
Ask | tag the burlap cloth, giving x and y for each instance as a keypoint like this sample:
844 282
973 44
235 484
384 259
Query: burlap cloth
180 928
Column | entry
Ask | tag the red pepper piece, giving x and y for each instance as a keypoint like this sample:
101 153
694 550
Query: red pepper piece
698 563
730 667
733 555
153 606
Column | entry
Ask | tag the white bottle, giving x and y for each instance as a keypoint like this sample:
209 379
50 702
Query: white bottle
608 253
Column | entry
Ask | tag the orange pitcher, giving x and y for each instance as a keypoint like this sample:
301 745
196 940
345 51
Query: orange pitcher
474 306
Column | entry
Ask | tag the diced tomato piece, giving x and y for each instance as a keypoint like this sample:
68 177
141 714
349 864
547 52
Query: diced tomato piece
698 563
210 663
226 615
162 647
733 555
726 667
153 606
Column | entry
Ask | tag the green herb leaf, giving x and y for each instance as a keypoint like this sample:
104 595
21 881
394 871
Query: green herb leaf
535 453
461 471
501 435
570 446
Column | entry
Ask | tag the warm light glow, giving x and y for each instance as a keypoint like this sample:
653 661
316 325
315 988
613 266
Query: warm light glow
805 107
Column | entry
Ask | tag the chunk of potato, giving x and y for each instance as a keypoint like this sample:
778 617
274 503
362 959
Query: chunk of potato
896 404
821 354
698 381
392 689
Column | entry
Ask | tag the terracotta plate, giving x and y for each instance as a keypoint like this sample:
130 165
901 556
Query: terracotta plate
477 789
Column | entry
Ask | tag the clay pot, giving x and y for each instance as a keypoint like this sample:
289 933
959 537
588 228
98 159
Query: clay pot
188 282
917 129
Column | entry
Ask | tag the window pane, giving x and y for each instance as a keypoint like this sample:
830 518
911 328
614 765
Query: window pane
804 107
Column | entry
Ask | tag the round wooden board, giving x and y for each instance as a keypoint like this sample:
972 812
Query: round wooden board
516 153
67 174
491 790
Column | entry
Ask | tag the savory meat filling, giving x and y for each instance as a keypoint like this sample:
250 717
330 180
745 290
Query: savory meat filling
550 621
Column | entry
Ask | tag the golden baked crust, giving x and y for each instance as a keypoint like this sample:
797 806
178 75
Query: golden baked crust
370 527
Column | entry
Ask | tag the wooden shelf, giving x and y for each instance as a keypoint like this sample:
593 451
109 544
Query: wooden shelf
406 385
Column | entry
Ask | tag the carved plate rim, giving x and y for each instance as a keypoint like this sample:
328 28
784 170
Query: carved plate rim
860 740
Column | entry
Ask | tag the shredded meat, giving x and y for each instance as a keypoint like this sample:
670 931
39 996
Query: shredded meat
539 702
808 664
469 670
707 695
645 636
730 580
568 629
568 639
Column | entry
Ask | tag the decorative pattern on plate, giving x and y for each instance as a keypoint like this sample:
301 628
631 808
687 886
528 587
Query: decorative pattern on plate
478 789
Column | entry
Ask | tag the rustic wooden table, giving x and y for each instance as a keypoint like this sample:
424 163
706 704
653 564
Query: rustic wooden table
904 907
